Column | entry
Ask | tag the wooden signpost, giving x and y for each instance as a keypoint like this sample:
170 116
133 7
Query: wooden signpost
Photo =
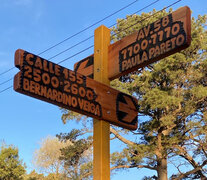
55 84
77 91
101 129
160 39
85 66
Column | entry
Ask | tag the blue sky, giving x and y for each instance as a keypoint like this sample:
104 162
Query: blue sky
35 25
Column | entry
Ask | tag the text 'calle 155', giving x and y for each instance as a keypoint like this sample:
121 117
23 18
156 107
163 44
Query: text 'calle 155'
55 84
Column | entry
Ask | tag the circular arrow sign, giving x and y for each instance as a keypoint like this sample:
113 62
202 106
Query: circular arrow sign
126 109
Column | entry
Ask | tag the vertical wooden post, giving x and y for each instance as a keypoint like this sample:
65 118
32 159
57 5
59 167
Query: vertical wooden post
101 129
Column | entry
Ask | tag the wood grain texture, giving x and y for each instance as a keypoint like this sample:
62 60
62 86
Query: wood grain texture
182 16
85 66
55 84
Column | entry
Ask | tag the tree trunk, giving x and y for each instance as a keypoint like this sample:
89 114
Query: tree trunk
161 158
162 169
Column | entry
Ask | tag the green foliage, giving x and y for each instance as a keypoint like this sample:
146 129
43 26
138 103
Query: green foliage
172 94
71 115
135 22
149 178
51 176
11 167
34 176
77 155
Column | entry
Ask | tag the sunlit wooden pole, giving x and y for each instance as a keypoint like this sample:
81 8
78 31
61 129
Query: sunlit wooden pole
101 129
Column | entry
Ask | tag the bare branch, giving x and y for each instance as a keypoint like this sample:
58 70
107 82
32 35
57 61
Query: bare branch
121 138
134 166
86 174
197 169
185 155
112 138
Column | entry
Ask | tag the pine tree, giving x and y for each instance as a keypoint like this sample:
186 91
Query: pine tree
77 157
172 95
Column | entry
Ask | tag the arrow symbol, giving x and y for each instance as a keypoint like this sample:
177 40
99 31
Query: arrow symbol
85 67
126 109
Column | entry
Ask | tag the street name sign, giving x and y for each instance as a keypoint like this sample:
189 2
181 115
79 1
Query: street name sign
85 66
158 40
50 82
